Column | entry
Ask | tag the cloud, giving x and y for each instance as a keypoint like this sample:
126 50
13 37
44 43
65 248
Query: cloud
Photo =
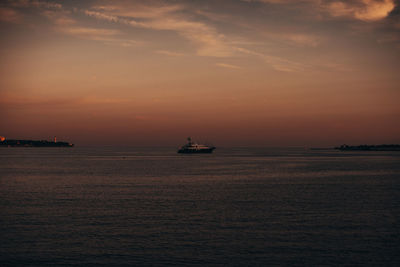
366 10
64 21
300 39
10 15
283 1
212 32
91 33
19 8
100 15
156 16
228 66
124 43
139 10
59 17
303 39
206 38
106 36
169 53
277 63
35 4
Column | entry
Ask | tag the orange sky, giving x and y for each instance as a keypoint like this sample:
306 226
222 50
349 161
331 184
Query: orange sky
234 73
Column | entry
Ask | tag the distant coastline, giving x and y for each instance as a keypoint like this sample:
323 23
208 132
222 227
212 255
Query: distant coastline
384 147
32 143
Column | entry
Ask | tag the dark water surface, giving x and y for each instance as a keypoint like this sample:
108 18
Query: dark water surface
238 207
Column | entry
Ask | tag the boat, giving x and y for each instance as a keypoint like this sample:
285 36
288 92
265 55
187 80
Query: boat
192 148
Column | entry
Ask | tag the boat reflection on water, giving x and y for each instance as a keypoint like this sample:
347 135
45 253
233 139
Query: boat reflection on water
192 148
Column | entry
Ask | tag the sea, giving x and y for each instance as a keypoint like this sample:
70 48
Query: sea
127 206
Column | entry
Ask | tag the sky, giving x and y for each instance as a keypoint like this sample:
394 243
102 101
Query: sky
306 73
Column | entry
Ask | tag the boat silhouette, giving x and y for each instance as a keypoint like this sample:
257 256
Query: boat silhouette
192 148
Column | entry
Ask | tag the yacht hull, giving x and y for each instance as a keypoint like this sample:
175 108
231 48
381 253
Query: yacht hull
196 151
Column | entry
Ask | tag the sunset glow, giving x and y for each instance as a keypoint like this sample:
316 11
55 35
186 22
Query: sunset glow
230 72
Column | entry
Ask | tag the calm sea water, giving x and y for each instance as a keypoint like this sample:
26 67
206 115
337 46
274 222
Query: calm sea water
238 207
